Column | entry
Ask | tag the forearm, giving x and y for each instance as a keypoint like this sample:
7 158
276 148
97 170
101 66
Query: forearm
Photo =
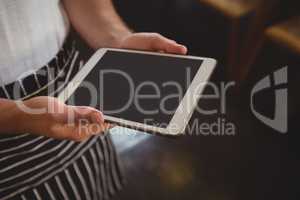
97 22
10 116
49 117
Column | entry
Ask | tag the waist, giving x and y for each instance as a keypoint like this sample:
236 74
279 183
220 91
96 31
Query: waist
29 37
37 82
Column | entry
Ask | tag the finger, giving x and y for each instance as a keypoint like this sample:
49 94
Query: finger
84 132
88 113
112 125
78 132
160 43
176 49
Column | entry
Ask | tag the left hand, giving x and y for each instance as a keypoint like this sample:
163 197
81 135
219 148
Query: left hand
151 42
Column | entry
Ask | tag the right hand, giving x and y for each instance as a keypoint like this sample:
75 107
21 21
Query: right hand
151 42
55 121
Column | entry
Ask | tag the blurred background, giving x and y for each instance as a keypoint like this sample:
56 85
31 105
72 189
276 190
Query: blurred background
250 39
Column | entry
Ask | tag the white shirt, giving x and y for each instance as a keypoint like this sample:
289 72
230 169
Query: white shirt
31 34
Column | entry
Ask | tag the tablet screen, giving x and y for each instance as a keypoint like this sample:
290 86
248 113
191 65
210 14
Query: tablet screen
138 87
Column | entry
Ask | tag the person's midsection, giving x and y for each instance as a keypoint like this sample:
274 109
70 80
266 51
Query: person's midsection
31 34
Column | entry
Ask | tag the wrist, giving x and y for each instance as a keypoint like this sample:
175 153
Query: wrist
117 39
111 40
12 118
28 121
22 118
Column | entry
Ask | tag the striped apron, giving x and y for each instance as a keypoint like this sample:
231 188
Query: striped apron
37 167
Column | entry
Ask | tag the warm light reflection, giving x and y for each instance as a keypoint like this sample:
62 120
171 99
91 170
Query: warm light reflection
176 172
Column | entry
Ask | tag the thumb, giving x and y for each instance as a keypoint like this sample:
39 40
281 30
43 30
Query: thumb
78 132
90 114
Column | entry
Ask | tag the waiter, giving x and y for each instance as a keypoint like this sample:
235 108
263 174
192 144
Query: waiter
42 155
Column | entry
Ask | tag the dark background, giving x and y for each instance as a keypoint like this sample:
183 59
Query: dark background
256 163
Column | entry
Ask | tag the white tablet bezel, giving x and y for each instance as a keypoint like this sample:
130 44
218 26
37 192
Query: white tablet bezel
182 115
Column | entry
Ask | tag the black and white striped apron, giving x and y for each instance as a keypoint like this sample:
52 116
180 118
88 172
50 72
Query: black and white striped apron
37 167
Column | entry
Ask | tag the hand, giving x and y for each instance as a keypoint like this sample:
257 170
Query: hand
60 121
151 42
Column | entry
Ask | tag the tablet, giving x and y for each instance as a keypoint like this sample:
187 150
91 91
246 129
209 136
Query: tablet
151 92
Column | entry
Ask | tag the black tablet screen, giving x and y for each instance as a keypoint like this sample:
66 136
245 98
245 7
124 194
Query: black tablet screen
137 87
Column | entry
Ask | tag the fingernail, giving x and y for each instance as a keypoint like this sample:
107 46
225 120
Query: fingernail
184 49
101 118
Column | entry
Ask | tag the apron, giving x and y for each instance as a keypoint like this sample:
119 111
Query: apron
37 167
